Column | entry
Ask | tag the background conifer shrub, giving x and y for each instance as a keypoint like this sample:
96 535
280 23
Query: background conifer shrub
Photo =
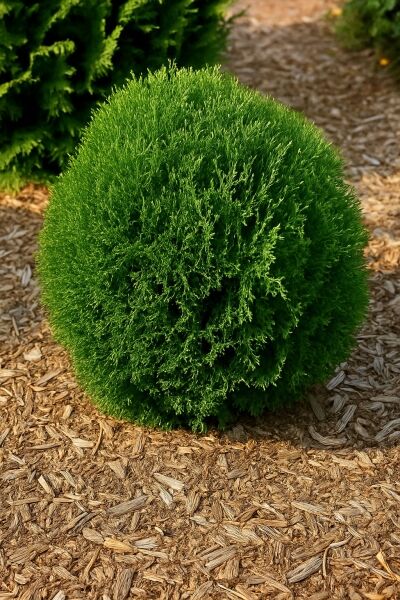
60 57
372 23
201 256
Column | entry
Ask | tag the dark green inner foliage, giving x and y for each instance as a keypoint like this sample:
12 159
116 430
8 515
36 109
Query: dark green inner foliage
59 58
202 255
372 23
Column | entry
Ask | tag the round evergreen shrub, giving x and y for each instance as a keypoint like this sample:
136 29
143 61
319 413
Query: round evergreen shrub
201 256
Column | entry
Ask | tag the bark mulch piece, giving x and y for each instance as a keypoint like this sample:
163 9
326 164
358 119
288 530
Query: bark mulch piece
299 505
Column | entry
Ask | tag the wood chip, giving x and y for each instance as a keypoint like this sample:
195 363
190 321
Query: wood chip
310 508
382 560
389 427
10 373
219 557
203 591
92 536
317 408
33 355
4 434
272 583
192 502
230 570
67 412
326 440
239 592
139 443
45 485
48 377
387 399
63 573
117 545
129 506
12 474
169 482
27 553
165 496
337 380
23 501
123 583
304 570
148 543
242 536
118 468
78 521
346 418
59 596
81 443
236 473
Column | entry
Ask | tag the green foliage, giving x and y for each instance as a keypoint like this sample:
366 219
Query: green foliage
202 255
59 58
374 23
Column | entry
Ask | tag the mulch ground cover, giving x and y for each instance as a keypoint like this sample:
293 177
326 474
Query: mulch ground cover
299 505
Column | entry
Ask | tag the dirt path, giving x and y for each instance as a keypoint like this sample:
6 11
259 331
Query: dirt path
305 505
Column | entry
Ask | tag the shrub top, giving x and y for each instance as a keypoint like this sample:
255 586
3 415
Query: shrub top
201 255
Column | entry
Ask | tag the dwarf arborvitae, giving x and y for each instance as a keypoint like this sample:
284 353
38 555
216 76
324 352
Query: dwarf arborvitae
202 255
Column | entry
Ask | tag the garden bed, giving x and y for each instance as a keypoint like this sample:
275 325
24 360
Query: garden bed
305 505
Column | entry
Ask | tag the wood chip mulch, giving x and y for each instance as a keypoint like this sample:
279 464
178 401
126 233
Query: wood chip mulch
305 505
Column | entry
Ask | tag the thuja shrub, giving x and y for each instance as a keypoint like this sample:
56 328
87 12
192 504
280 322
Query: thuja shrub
201 256
372 23
60 57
